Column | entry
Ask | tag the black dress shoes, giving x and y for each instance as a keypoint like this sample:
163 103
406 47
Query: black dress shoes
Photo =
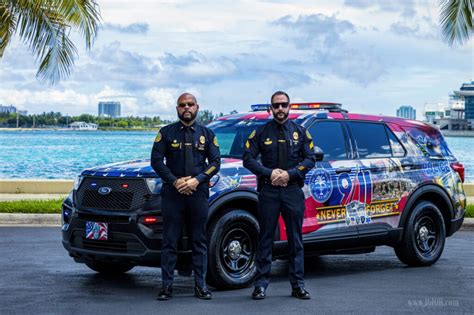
202 293
300 293
166 293
258 293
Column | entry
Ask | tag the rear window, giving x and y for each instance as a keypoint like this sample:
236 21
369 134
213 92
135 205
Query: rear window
371 140
430 141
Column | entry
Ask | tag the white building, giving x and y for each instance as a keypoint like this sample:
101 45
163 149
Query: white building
81 125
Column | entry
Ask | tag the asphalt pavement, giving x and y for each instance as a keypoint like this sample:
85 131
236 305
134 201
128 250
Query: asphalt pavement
38 276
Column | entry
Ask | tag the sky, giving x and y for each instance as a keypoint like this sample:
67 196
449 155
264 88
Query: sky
370 55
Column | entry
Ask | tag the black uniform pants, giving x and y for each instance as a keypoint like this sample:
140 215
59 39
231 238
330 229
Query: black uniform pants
178 209
289 201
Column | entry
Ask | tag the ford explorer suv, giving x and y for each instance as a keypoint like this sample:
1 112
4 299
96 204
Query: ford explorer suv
378 181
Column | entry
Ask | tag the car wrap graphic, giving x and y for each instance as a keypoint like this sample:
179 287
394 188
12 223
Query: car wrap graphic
368 191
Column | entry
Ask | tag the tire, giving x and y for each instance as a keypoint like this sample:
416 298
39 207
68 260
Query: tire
109 268
423 237
232 250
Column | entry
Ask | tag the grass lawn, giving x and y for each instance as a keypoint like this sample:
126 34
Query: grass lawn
31 206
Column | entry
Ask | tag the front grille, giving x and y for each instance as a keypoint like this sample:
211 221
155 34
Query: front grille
103 218
119 198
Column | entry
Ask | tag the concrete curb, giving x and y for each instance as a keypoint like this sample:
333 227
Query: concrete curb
30 219
55 220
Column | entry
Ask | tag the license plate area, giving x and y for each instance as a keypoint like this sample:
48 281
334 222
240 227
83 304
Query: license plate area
97 231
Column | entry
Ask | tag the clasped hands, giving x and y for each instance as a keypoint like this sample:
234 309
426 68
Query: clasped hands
279 177
186 185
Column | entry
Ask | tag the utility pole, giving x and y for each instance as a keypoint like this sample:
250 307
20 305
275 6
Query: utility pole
17 119
34 121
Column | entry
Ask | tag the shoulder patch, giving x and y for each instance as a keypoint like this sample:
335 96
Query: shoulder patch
216 143
253 134
158 137
308 135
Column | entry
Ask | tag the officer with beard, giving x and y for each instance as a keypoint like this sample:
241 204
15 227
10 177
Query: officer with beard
287 155
179 157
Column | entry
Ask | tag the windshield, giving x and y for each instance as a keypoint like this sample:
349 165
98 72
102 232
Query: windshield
232 134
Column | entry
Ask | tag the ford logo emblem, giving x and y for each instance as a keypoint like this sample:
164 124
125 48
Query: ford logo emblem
105 190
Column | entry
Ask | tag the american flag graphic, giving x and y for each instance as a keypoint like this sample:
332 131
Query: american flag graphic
248 181
97 231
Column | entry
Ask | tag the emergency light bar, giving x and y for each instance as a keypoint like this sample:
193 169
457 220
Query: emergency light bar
331 107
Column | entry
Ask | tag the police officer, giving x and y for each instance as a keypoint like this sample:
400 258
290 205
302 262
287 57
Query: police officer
286 156
184 196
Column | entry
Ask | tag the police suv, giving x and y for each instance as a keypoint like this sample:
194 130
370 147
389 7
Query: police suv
378 181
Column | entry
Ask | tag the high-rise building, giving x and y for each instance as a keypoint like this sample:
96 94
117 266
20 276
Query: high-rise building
406 111
109 109
7 109
466 92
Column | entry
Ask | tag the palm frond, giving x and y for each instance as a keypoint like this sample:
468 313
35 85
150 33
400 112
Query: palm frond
7 26
83 15
456 20
44 25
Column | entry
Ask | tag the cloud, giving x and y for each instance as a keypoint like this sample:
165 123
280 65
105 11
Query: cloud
134 28
316 28
425 29
194 67
321 37
406 7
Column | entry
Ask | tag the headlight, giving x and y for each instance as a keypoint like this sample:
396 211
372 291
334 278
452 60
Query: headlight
154 184
77 182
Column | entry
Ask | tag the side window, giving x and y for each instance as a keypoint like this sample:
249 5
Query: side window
329 136
397 149
370 139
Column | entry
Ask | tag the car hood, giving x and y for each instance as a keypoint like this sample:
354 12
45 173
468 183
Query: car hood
141 168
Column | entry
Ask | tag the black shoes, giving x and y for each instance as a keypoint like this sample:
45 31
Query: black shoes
202 293
166 293
300 293
258 293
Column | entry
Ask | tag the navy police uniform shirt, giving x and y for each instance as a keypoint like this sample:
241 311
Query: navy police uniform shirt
264 141
168 153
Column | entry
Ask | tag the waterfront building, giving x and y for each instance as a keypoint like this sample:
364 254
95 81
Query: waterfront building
466 94
109 109
81 125
407 112
436 111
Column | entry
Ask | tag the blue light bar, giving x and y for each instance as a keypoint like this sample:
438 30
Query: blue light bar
259 107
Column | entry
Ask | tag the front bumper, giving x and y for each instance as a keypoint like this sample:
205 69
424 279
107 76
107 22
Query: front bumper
129 240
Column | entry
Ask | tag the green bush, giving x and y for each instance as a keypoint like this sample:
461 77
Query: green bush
470 211
31 206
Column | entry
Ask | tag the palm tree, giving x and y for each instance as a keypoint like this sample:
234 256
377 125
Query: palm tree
456 20
44 26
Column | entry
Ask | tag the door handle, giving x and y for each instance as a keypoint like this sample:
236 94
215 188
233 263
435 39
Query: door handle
408 165
343 170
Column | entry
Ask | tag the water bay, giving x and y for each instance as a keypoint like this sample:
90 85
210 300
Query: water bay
49 154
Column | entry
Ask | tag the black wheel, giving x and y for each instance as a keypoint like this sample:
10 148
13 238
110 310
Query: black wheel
424 236
109 268
232 250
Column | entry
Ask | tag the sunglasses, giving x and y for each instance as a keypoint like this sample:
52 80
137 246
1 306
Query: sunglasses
282 105
189 104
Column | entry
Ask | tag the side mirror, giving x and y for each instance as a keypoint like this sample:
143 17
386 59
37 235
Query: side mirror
319 153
